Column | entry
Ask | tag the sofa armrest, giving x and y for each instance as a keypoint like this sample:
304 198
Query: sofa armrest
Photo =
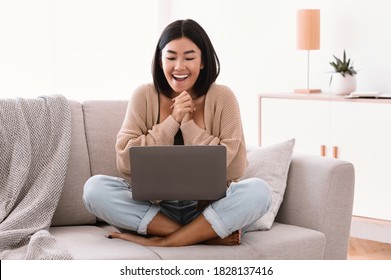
319 196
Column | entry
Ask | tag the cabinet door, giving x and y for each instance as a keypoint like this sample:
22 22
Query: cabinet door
305 120
362 132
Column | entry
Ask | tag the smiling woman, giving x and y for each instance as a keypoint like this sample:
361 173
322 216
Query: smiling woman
181 63
185 44
184 106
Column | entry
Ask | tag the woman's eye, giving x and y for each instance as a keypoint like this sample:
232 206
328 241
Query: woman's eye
190 58
170 58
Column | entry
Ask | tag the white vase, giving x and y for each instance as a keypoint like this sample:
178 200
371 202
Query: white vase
343 85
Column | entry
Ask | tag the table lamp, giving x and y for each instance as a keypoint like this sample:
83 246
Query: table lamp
308 38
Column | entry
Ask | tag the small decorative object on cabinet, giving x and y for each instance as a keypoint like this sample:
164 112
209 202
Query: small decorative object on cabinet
343 79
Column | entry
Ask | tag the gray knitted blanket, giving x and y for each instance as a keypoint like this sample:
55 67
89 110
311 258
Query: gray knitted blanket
34 149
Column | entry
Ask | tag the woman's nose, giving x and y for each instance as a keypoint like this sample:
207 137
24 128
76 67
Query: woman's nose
179 65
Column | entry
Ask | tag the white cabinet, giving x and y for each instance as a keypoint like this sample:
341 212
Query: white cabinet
305 120
362 133
358 131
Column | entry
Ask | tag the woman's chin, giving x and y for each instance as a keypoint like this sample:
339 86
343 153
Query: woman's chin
180 86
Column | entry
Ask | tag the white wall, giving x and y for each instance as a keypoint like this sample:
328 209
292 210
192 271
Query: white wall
103 48
79 48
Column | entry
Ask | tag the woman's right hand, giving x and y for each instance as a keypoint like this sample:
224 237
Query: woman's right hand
183 106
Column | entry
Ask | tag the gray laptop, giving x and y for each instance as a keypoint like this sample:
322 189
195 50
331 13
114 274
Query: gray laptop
178 172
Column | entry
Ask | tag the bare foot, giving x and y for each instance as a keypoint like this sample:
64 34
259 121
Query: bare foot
146 241
231 240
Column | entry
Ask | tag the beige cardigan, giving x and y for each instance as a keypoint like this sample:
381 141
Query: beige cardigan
223 126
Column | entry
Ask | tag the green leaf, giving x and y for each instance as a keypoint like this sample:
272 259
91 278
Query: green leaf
343 66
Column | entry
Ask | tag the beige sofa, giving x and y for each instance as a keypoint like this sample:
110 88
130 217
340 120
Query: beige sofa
313 221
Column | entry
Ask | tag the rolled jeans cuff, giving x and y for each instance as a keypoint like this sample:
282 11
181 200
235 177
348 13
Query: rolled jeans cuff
151 213
215 221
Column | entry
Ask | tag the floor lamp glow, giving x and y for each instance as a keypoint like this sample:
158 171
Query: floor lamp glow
308 38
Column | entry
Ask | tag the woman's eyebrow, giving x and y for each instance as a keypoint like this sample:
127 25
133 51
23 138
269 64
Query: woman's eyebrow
186 52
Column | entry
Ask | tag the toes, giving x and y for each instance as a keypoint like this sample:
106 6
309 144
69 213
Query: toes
238 236
113 235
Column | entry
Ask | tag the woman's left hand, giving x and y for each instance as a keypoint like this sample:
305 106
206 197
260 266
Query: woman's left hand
183 107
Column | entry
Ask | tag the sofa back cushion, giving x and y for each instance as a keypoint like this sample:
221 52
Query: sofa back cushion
70 209
103 120
271 164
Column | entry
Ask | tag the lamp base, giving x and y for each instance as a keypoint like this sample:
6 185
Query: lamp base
308 91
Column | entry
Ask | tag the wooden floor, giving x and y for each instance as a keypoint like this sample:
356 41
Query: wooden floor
362 249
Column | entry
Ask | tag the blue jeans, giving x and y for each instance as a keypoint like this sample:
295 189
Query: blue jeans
110 199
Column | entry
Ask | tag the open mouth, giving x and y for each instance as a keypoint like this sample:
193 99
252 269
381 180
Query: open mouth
180 78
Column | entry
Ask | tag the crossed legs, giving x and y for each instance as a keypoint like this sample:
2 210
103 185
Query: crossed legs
168 233
110 199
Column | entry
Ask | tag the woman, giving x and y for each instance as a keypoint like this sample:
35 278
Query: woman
183 106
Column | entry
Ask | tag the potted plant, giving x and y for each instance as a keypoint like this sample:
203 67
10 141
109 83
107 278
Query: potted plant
343 79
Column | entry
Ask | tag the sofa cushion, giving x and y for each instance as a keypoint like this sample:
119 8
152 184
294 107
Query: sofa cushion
292 243
281 242
287 242
90 243
103 120
70 209
272 165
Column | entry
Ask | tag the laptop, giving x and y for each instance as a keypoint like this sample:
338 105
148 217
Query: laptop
178 172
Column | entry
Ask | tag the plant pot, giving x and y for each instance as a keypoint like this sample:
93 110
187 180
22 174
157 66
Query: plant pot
343 85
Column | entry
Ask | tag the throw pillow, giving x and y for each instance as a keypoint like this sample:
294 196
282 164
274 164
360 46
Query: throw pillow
271 164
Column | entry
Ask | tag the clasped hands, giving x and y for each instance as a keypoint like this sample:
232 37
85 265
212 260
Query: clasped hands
183 107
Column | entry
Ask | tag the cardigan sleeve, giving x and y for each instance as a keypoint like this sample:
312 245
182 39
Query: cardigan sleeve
139 127
225 129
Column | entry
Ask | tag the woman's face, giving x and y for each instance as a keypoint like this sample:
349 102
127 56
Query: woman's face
181 63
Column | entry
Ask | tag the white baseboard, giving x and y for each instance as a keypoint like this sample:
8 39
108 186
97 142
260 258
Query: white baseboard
372 229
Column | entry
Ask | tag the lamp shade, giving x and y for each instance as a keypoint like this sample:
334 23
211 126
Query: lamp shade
308 29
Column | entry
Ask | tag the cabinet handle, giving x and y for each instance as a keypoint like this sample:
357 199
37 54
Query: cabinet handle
335 152
323 150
